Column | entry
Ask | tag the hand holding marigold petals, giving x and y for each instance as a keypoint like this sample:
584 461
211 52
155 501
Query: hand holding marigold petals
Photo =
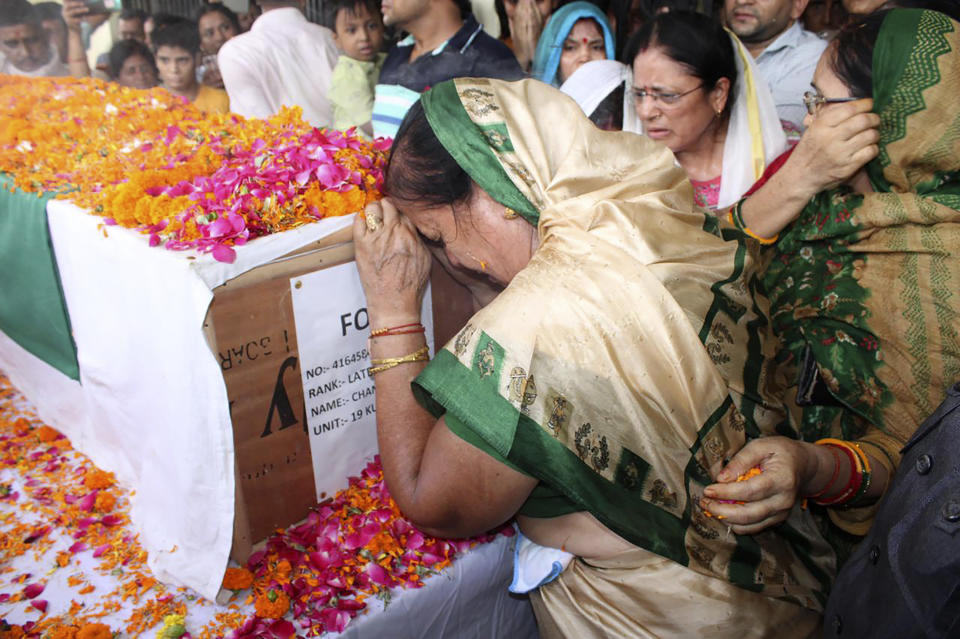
759 486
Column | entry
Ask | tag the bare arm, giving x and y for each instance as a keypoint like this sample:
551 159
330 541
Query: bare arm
840 141
74 14
443 484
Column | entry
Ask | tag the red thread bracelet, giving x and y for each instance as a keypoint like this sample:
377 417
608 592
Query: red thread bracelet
396 330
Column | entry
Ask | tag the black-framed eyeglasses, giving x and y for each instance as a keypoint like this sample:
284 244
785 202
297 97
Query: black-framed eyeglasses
813 100
662 97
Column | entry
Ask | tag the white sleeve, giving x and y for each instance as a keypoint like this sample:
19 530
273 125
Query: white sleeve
247 96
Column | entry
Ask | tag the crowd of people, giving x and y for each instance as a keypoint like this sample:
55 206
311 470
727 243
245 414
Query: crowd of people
714 294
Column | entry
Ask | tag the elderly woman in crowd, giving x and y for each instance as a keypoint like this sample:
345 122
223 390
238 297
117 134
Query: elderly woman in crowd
617 361
575 34
131 64
604 90
698 91
863 276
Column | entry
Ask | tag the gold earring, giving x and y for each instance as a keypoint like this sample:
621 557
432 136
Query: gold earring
509 213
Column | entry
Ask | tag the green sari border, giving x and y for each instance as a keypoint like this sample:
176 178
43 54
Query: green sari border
471 149
446 381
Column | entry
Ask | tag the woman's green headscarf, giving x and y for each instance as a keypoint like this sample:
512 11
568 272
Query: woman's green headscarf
474 147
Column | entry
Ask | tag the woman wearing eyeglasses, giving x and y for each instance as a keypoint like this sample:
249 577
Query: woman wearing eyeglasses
697 91
862 231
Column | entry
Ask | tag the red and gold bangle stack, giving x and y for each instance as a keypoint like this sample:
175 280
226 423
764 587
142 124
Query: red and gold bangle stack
403 329
857 484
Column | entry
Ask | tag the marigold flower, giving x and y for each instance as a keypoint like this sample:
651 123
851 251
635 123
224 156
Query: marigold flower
174 627
63 632
95 631
272 604
105 502
47 434
98 479
11 632
237 579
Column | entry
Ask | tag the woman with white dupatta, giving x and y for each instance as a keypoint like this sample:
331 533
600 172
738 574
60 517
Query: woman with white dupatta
697 90
604 90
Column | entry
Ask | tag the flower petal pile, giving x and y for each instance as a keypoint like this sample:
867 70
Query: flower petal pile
356 546
190 180
62 513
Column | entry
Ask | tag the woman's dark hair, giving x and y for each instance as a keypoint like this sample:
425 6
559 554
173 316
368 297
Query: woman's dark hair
182 35
216 7
134 14
420 169
693 40
852 58
123 50
49 11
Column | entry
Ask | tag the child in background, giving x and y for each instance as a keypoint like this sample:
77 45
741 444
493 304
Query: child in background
358 31
177 51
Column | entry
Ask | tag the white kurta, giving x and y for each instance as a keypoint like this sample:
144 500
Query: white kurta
283 60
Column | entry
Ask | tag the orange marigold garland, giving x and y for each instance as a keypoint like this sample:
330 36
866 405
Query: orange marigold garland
191 180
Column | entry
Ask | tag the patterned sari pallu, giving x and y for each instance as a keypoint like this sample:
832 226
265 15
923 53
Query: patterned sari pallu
627 360
865 287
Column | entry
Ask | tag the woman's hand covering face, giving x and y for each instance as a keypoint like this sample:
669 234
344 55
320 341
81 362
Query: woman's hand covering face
838 142
394 264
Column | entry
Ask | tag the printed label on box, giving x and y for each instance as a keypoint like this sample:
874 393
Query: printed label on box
330 314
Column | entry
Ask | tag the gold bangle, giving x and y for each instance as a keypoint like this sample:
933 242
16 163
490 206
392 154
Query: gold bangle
380 365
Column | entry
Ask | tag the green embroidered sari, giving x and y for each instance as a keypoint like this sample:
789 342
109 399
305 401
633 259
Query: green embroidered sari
630 357
865 287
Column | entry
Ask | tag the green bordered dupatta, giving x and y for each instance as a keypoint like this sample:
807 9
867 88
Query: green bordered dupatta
629 357
868 284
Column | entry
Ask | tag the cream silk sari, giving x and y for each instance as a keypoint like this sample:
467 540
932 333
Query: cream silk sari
621 367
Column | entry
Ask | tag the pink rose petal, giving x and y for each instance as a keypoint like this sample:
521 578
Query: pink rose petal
33 590
282 629
223 253
86 504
